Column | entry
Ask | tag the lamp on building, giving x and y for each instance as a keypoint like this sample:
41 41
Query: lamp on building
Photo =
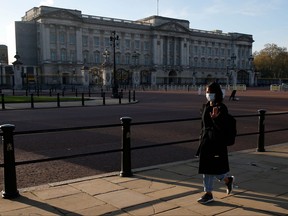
113 39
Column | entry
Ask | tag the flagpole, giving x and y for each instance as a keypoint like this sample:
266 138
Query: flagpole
157 7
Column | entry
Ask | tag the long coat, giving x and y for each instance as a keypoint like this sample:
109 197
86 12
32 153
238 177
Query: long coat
213 154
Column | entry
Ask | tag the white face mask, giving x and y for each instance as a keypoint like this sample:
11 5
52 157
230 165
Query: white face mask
210 96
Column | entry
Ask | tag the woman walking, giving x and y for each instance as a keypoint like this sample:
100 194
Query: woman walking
212 152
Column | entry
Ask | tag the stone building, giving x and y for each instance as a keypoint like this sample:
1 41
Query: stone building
65 47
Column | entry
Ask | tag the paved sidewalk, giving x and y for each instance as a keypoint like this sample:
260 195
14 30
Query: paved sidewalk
169 189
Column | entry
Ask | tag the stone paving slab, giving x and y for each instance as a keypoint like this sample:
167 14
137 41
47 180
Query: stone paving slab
261 188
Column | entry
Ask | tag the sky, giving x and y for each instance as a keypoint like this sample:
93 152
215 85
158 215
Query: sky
266 20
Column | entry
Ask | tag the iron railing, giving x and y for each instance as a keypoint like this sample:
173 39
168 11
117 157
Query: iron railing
8 133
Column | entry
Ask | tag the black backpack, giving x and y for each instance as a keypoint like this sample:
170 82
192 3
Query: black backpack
230 130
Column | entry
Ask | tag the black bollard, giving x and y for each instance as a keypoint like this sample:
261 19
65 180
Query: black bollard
83 99
58 100
126 150
134 95
261 129
129 96
120 98
10 182
32 101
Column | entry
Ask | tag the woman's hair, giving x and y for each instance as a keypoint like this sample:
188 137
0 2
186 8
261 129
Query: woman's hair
215 88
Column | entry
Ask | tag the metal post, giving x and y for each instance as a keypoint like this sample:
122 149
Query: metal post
103 96
133 95
32 101
10 183
83 99
2 101
126 150
120 96
113 39
58 100
261 129
129 96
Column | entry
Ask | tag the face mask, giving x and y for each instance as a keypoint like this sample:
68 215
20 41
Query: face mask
210 96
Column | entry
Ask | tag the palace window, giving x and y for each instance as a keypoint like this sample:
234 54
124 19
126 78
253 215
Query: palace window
53 38
53 55
127 43
96 57
63 55
96 41
85 41
62 37
137 44
72 39
73 55
127 59
146 45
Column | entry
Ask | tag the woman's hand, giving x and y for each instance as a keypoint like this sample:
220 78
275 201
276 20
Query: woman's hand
215 113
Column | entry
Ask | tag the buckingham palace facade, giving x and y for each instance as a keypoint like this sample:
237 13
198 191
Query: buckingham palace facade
65 47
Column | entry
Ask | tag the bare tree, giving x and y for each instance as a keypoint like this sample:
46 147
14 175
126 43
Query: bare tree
272 61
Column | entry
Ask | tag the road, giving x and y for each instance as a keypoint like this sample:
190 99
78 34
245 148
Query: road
151 106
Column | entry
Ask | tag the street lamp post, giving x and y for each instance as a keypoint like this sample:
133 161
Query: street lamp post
73 79
135 57
233 58
113 39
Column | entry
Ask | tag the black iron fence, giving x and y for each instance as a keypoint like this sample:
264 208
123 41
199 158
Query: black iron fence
83 97
9 164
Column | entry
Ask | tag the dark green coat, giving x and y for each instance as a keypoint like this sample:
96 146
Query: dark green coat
213 154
